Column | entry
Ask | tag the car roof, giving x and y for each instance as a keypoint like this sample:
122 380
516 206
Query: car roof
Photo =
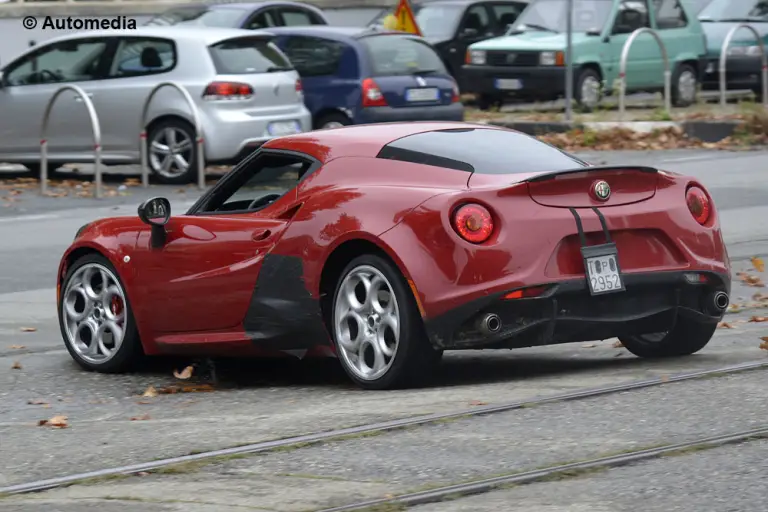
239 5
333 32
365 140
179 33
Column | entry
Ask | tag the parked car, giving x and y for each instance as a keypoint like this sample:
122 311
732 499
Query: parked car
250 15
244 88
743 68
452 25
363 75
529 62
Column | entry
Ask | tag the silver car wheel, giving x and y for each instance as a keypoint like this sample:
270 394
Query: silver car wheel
686 86
331 124
170 152
366 322
590 91
94 313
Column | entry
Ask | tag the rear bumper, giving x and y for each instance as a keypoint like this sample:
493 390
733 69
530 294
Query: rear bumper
652 302
452 112
740 73
535 81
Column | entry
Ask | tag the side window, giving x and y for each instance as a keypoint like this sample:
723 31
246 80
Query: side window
760 10
295 16
313 56
262 19
505 15
143 56
669 14
476 22
265 180
67 61
632 15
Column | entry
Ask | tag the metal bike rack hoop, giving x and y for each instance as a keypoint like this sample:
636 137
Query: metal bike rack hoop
623 68
724 57
95 127
198 133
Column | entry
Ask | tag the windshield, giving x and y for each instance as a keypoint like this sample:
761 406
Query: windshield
735 10
438 21
396 55
551 15
202 16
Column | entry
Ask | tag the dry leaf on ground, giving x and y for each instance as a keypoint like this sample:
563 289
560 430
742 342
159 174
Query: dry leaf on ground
150 392
16 366
55 422
758 264
142 417
28 329
764 344
664 378
759 319
185 374
478 402
725 325
37 401
17 347
191 388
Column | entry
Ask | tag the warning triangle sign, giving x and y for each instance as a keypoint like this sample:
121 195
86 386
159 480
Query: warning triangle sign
406 21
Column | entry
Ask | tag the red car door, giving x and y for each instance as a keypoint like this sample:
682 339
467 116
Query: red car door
204 274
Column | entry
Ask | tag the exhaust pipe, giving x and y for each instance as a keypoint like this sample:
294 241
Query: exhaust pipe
489 324
720 300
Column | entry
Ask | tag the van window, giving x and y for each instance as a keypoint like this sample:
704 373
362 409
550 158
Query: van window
248 55
398 55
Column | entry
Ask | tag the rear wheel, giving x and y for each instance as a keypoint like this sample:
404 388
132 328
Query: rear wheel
377 329
95 318
588 90
172 152
687 337
332 120
685 85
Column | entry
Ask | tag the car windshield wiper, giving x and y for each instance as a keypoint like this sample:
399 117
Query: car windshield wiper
425 71
540 27
277 69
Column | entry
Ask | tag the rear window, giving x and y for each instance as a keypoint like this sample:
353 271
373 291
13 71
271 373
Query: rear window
480 150
398 55
313 56
248 55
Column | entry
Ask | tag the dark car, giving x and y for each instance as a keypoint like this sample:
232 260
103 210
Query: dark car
250 15
365 75
452 25
743 66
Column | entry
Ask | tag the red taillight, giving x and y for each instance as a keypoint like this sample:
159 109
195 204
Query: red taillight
456 94
473 223
227 91
698 204
299 86
372 95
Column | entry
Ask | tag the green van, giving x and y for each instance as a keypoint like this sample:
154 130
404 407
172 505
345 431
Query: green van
528 63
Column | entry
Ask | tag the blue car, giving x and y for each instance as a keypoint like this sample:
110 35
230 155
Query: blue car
365 75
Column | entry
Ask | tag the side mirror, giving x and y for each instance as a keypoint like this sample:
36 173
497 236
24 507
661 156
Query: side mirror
156 212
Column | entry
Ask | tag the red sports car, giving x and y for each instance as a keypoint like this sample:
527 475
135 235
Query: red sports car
387 244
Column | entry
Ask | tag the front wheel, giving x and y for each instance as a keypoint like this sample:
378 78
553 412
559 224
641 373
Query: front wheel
686 338
95 318
685 86
377 329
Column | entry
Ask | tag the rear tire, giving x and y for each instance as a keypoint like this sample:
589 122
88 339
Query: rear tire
371 298
332 120
686 338
685 85
177 137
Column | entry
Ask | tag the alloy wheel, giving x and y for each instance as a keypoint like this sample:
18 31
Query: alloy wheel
170 152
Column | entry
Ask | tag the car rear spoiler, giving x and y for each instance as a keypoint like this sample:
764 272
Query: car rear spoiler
592 168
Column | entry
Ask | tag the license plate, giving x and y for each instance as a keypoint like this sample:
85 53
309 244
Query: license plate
279 128
601 263
509 84
427 94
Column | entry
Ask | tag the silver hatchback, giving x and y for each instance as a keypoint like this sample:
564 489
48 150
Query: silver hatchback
244 89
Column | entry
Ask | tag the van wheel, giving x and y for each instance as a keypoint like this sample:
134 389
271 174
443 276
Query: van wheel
588 89
332 120
685 85
172 152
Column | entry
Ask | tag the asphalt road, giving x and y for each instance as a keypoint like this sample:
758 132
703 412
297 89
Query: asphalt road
267 400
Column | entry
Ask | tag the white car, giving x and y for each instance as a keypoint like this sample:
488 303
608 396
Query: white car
244 88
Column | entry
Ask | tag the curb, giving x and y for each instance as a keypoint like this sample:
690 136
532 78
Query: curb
706 131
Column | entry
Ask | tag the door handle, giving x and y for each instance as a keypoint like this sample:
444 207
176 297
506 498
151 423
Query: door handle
260 235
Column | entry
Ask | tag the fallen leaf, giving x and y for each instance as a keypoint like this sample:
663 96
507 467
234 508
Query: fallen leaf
185 374
28 329
588 345
37 402
478 402
758 264
618 344
664 378
143 402
725 325
150 392
16 366
17 347
764 344
759 319
142 473
143 417
752 281
192 388
55 422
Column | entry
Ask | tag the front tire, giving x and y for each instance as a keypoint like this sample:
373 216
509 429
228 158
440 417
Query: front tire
377 329
95 317
685 86
686 338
